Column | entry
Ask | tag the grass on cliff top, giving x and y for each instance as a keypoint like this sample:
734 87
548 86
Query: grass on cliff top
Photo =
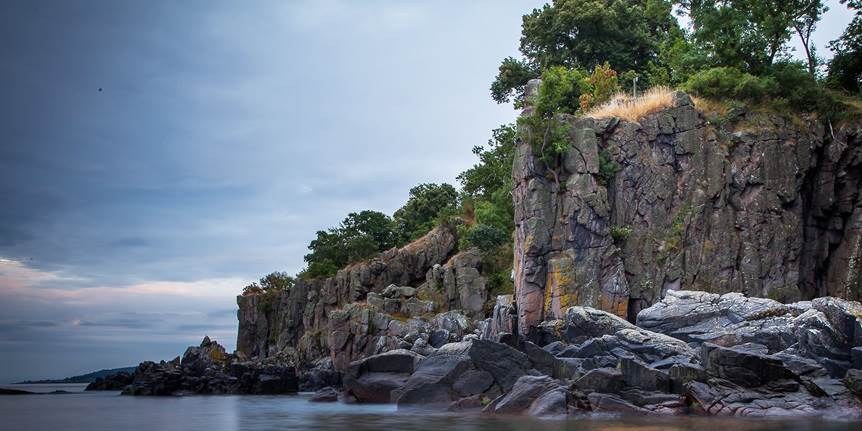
628 108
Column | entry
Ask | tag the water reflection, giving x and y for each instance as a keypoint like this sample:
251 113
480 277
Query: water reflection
109 411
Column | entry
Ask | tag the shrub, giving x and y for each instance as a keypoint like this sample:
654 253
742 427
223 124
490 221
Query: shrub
621 233
486 237
726 83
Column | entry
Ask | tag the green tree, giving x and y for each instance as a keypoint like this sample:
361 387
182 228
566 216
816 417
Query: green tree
845 68
359 236
750 35
272 282
586 33
427 202
493 172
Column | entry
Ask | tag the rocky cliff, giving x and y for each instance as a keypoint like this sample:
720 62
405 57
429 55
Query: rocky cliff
391 301
756 203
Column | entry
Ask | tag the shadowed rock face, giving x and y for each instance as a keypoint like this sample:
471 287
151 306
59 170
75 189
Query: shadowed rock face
299 319
759 205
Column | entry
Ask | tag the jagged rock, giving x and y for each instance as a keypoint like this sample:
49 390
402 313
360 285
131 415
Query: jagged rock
502 320
207 369
325 395
822 329
113 382
459 283
274 322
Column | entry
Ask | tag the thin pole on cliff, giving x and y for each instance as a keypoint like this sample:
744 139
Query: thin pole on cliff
635 87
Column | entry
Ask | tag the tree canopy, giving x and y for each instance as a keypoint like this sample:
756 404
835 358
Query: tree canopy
359 236
626 34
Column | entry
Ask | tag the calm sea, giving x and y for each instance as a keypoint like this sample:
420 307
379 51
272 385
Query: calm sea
94 411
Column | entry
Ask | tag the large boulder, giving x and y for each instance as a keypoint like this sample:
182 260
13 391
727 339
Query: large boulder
526 391
472 368
373 379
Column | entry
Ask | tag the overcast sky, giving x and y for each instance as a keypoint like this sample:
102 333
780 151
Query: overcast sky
157 156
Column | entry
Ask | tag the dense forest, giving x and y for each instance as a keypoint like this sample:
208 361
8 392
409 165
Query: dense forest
591 53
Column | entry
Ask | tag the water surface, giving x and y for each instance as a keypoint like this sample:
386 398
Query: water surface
93 411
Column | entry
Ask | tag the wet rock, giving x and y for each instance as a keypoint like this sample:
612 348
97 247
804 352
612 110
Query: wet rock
325 395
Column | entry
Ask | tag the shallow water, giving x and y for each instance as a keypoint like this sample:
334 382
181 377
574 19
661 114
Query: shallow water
110 411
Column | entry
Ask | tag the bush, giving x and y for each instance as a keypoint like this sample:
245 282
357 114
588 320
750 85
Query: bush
728 83
486 237
621 233
560 91
276 281
427 206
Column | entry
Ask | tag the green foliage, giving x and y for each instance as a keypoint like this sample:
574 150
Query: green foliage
560 91
276 281
621 233
359 236
423 210
493 172
586 33
727 83
486 237
787 87
608 168
750 35
845 68
511 77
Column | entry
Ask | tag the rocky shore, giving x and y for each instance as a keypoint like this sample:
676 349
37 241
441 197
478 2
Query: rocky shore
600 320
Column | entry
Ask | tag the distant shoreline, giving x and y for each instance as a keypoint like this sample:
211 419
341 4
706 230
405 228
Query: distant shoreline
84 378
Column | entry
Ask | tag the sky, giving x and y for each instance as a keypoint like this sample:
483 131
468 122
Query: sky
158 156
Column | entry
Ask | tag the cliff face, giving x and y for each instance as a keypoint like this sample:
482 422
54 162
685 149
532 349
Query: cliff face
349 315
759 205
